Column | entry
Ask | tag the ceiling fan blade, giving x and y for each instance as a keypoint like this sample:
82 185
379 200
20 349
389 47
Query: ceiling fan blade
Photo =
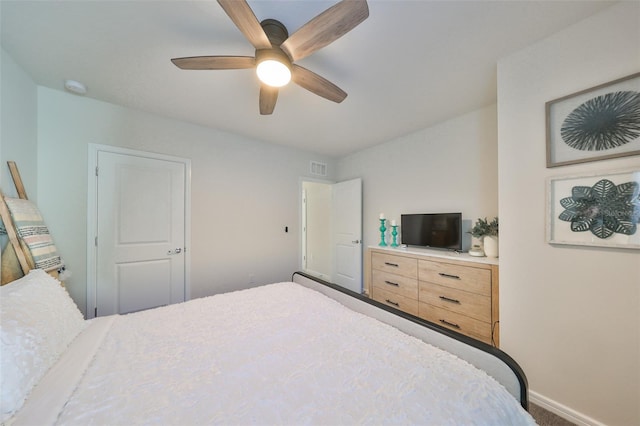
215 62
268 98
325 28
316 84
241 14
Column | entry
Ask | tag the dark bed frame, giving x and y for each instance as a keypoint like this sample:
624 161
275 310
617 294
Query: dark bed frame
495 362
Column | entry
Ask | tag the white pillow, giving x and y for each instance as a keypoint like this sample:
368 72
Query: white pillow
38 320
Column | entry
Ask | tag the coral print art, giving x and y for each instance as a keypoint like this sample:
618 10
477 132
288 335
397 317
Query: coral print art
596 124
596 210
603 209
604 122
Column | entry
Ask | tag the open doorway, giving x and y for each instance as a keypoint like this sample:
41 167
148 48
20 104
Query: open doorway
316 229
331 246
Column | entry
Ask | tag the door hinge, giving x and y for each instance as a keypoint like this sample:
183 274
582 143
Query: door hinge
96 170
95 312
96 241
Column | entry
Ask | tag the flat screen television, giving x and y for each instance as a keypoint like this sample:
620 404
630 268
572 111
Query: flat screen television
435 230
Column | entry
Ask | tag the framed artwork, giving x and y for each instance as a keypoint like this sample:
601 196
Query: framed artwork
595 124
595 210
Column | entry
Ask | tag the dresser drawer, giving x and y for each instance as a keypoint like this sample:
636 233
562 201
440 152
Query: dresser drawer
462 302
399 265
396 301
462 324
404 286
474 280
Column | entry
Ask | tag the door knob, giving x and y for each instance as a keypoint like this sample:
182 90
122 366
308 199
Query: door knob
356 241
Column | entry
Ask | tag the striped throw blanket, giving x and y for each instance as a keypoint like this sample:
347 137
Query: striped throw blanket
34 232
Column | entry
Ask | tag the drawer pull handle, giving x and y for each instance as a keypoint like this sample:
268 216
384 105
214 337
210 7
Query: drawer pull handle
450 324
392 302
448 299
392 283
455 277
395 265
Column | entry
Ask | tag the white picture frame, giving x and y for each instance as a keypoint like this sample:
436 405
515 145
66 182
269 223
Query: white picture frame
598 123
600 209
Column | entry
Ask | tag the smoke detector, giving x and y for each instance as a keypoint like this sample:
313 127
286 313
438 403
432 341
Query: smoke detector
75 87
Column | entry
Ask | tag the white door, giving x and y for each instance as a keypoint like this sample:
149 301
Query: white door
346 215
140 245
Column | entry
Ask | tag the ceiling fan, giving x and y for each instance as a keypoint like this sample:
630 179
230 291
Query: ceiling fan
276 51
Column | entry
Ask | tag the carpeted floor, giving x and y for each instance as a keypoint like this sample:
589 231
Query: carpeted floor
547 418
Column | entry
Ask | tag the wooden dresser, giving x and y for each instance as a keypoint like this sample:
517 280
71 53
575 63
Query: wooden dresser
457 291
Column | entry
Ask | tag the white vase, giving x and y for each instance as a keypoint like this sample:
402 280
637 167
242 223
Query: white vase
491 246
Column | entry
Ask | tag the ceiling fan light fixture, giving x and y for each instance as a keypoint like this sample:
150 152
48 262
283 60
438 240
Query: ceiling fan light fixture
277 52
273 73
273 67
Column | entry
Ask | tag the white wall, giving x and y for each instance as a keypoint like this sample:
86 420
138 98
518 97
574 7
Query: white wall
18 121
450 167
569 315
244 192
18 135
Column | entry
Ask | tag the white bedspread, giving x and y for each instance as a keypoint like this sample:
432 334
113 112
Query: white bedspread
278 354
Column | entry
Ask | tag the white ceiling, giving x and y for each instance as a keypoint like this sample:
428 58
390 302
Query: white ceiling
410 65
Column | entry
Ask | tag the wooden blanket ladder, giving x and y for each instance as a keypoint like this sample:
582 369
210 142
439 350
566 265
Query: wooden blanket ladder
21 252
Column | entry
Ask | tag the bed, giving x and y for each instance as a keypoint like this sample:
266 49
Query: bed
299 352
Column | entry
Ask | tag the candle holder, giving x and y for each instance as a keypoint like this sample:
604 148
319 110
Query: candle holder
383 229
394 233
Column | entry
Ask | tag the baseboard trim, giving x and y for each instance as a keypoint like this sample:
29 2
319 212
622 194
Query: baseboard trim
562 410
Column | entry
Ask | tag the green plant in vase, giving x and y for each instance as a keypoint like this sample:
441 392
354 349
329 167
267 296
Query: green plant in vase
487 232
